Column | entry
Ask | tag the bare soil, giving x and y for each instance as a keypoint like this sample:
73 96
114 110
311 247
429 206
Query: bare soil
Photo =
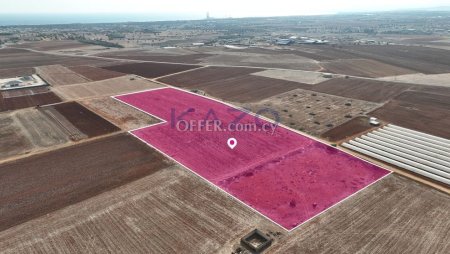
28 101
12 139
24 92
95 74
58 75
351 128
363 68
27 131
85 120
423 79
52 45
114 86
312 112
183 214
419 111
420 59
322 52
287 61
23 59
169 211
305 77
362 89
16 72
380 219
150 70
44 183
207 75
156 56
128 118
232 84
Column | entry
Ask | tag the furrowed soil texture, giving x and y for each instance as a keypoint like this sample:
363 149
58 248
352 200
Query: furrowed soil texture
169 211
425 112
28 130
58 75
11 58
120 114
94 73
85 120
351 128
114 86
233 84
362 89
26 101
47 182
150 70
285 176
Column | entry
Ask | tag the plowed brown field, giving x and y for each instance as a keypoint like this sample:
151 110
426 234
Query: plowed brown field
43 183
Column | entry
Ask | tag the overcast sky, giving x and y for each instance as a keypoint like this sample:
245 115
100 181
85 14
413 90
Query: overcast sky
217 8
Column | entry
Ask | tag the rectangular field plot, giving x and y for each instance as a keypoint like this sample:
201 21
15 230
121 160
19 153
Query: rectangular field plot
287 177
26 101
113 86
43 183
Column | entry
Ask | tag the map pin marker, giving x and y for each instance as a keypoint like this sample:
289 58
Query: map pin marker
232 143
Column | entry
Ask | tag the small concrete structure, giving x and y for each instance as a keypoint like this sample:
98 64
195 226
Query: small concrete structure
256 241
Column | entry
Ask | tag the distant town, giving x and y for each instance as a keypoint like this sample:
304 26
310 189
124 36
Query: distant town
368 28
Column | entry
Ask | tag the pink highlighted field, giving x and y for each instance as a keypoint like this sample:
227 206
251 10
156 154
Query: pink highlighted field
285 176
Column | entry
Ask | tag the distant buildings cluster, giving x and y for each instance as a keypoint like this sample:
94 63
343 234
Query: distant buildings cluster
301 40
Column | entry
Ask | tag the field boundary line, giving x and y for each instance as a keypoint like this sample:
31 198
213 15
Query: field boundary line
253 114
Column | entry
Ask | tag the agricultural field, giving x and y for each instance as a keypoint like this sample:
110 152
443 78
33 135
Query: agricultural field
31 130
305 77
263 154
439 90
363 68
26 131
401 58
24 92
171 211
422 79
381 218
232 84
95 74
160 55
281 60
84 120
312 112
72 174
420 59
221 56
322 52
58 75
114 86
52 45
150 70
124 116
248 88
349 129
16 72
419 111
11 58
362 89
205 76
30 99
149 208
